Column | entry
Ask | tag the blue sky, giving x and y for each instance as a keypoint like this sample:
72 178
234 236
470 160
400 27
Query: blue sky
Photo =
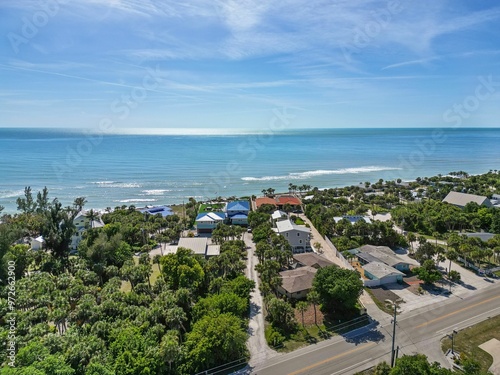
233 63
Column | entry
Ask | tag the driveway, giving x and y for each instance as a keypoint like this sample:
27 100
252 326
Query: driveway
327 251
257 345
470 284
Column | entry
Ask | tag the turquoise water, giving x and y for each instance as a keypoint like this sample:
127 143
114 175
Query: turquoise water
111 170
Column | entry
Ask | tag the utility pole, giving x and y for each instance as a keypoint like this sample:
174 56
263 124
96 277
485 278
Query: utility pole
393 351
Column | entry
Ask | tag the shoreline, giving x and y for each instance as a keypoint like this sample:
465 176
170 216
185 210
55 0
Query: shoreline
159 202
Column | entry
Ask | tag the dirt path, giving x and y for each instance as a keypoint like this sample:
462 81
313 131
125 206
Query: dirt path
257 345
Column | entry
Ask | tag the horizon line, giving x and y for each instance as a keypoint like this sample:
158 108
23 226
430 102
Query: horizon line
230 131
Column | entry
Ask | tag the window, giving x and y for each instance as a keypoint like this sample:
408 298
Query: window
298 234
300 241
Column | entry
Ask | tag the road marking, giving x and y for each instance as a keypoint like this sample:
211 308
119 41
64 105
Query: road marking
448 329
456 312
353 366
330 359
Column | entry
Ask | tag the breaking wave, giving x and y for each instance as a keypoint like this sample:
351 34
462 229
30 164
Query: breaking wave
320 172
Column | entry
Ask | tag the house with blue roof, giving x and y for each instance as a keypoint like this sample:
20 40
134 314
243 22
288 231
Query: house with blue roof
237 212
206 222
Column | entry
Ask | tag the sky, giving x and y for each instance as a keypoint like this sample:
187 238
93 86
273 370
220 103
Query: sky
236 64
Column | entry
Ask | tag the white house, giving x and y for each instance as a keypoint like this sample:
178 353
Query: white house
82 223
200 246
37 243
298 236
353 219
206 222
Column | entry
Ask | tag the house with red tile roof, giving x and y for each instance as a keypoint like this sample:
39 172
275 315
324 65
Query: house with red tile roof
265 200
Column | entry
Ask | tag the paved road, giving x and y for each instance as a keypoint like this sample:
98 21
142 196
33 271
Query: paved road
418 331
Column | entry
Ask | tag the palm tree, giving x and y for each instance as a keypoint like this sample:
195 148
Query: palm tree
302 307
79 203
452 255
313 297
411 238
92 216
156 259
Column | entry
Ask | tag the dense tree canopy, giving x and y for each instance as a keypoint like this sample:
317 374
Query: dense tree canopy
338 288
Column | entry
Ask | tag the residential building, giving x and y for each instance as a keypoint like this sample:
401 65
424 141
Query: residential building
164 211
369 253
265 200
379 273
200 246
237 212
283 200
311 260
297 283
461 199
298 236
278 215
82 223
206 222
37 243
353 218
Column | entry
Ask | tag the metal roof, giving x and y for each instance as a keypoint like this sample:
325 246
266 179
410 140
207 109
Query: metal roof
461 199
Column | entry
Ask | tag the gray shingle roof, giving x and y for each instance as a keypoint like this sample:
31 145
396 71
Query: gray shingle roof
298 279
461 199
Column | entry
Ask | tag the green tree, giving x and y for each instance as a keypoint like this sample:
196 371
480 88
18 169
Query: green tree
182 269
302 307
338 288
213 341
428 272
314 298
280 313
221 303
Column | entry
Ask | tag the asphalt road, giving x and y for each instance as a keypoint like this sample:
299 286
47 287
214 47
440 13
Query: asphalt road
418 331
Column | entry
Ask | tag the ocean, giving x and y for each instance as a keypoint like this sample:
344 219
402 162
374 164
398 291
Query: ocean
115 169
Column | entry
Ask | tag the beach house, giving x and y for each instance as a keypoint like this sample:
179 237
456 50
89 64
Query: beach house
382 254
164 211
82 223
206 222
278 215
353 219
297 282
200 246
461 199
298 236
237 212
37 243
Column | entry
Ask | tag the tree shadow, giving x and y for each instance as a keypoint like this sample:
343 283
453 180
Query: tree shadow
254 309
366 334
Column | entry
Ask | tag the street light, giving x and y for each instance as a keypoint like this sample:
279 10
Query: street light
453 341
394 304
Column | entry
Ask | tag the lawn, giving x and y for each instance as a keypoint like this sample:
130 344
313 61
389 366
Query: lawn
299 221
126 287
327 327
214 207
468 340
379 295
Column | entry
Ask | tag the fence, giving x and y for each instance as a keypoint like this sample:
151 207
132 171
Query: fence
338 254
226 368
